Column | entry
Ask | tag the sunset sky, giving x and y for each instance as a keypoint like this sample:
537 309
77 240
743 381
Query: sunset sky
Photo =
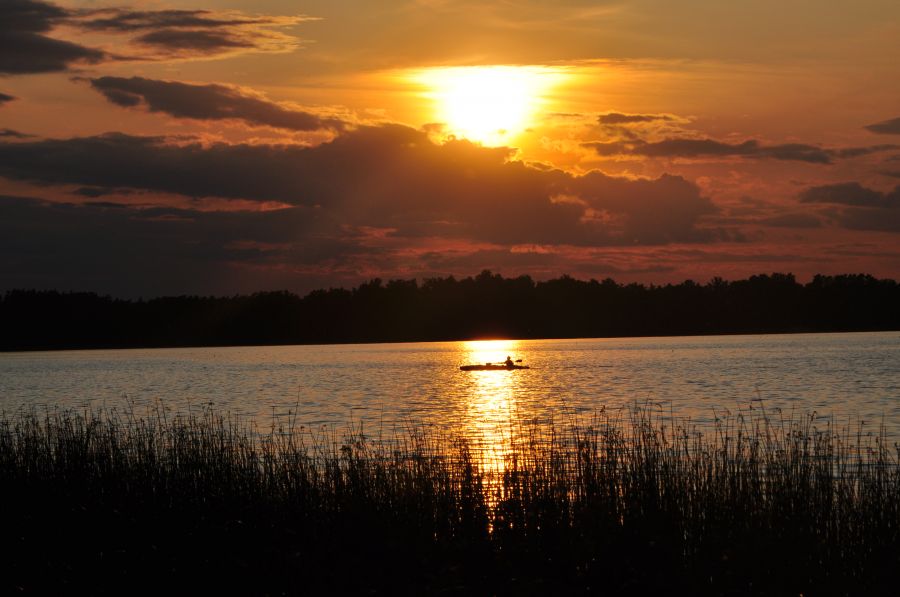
225 146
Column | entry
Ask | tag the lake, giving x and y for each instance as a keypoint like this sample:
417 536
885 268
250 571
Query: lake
387 387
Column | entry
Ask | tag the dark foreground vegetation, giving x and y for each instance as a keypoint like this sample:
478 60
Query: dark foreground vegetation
449 309
628 504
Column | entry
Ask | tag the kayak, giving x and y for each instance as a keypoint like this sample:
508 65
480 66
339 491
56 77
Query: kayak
490 367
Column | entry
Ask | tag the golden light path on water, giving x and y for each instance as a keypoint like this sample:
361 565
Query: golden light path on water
491 408
390 387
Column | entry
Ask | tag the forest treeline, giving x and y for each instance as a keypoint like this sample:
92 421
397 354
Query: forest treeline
486 305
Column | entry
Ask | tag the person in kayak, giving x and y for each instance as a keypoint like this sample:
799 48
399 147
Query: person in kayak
509 362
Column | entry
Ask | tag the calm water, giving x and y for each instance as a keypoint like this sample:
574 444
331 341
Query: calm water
390 385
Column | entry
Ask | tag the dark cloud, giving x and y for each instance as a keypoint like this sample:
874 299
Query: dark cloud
879 220
207 102
27 53
95 192
492 259
793 220
5 98
852 152
26 46
851 193
122 20
857 207
609 148
756 256
695 148
185 33
888 127
25 49
203 42
127 251
117 160
544 263
107 204
619 118
657 211
13 134
390 178
30 16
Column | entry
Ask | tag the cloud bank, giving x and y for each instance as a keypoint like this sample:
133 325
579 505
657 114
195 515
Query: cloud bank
26 46
166 34
857 207
702 148
851 193
208 102
391 179
614 118
888 127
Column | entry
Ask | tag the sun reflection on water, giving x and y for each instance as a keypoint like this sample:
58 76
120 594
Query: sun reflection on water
492 405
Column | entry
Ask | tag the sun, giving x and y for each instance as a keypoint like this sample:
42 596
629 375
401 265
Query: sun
487 104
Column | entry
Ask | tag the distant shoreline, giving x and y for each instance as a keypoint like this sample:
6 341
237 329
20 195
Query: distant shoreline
189 346
447 309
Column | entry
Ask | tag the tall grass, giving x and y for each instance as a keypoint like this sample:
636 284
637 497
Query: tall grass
631 501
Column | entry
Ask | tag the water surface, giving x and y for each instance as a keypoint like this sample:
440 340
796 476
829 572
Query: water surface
386 386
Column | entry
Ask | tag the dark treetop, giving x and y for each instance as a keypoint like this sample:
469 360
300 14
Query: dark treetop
483 306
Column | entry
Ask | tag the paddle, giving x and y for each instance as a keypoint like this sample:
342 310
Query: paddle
489 364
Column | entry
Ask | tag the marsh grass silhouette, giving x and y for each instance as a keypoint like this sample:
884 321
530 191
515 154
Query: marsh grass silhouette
630 501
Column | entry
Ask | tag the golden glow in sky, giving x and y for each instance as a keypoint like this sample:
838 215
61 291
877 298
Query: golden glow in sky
488 104
649 141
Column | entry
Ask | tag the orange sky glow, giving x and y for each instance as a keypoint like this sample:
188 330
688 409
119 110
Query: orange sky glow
222 146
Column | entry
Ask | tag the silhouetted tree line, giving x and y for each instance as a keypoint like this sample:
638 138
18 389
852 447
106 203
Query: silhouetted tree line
487 305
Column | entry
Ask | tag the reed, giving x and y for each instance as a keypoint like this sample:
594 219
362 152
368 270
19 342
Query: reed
630 501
